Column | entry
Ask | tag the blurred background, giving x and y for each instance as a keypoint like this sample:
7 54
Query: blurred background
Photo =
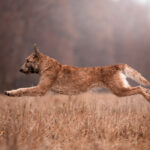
74 32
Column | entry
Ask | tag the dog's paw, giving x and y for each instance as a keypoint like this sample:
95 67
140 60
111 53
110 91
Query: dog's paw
8 93
147 97
148 91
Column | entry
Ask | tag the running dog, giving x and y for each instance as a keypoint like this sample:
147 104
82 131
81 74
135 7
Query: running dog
72 80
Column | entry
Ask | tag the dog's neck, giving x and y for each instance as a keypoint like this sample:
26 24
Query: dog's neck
48 65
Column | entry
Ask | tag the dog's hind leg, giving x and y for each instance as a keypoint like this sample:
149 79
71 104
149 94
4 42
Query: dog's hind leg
120 87
122 91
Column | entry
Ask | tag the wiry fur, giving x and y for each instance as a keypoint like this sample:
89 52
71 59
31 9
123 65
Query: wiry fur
71 80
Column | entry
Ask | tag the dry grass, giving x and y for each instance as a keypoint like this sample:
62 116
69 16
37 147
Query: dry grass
84 122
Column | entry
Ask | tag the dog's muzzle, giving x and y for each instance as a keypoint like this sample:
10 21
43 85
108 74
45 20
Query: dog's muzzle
30 70
21 70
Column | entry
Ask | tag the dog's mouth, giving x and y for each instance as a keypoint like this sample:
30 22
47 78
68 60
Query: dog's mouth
29 71
25 72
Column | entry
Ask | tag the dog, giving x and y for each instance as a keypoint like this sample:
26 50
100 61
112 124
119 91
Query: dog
70 80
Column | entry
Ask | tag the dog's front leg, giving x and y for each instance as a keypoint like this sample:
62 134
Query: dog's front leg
32 91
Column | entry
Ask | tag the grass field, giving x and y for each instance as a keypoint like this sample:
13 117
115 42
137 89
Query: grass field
90 121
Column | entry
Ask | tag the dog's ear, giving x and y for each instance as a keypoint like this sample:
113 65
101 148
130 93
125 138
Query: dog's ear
36 51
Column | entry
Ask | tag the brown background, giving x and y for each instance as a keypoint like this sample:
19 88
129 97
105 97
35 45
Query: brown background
75 32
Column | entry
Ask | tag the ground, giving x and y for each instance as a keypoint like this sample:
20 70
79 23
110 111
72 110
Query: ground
91 121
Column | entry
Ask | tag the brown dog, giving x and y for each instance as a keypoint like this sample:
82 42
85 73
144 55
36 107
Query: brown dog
73 80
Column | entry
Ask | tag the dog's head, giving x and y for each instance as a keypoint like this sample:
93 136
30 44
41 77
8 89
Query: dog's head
32 64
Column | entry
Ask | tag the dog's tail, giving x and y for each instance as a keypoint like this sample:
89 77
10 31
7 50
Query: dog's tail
135 75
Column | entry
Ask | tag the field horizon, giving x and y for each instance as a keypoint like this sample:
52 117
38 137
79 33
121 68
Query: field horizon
90 121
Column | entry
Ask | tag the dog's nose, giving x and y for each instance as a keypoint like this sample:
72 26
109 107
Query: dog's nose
21 70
